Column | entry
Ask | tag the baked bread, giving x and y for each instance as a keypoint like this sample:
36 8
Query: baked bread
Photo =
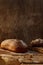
8 60
14 45
37 43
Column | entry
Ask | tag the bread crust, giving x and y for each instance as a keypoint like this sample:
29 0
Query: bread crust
14 45
37 43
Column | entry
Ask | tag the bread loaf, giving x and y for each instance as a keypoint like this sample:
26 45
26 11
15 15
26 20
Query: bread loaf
14 45
37 43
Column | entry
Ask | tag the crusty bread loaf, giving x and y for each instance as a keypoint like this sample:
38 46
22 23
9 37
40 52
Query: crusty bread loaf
14 45
8 60
37 43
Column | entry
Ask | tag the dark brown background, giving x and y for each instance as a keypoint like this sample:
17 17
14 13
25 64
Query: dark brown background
22 19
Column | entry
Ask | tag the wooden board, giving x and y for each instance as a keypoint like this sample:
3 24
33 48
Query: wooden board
28 58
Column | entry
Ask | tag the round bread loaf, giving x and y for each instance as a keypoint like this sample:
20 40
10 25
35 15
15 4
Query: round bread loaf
14 45
8 60
37 43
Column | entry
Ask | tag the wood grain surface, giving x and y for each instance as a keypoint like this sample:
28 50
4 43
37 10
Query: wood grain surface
28 58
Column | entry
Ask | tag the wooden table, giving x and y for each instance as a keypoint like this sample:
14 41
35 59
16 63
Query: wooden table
29 58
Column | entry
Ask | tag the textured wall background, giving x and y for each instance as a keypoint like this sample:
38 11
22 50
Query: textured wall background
22 19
